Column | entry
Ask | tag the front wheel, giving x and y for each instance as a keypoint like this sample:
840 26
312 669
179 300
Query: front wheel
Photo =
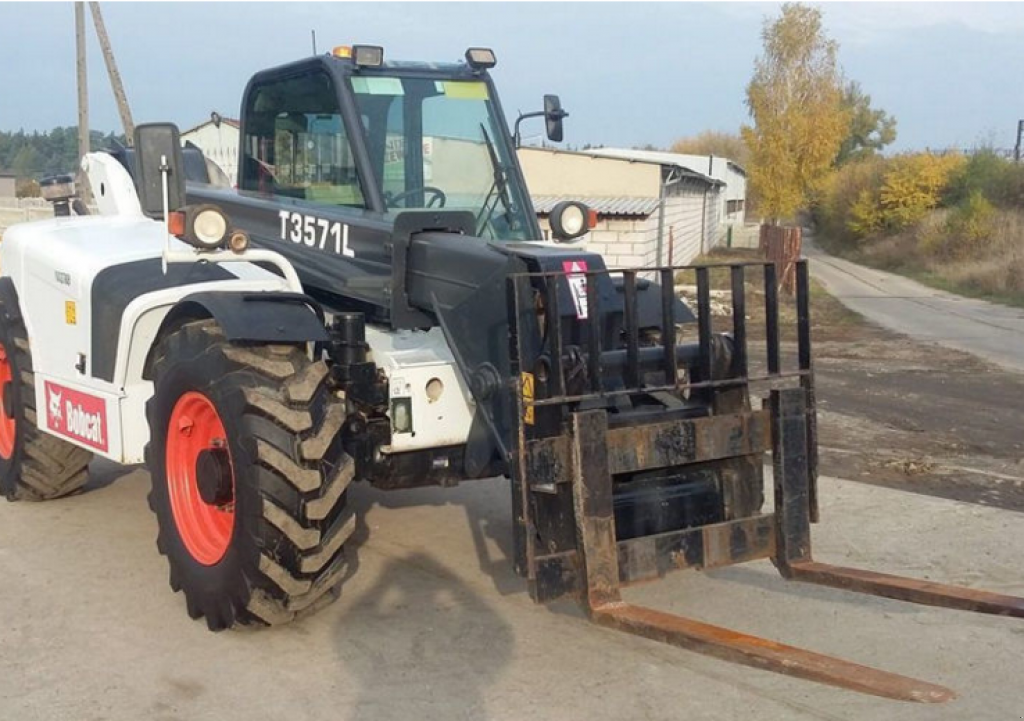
249 477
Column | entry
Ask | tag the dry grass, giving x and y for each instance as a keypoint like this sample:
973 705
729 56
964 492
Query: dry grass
828 315
994 269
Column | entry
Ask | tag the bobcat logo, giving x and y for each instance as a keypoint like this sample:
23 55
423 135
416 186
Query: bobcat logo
56 416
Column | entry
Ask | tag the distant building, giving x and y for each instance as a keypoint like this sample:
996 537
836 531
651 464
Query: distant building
218 138
732 200
8 185
650 211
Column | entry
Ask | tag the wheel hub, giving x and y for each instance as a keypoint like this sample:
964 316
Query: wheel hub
8 424
213 476
200 480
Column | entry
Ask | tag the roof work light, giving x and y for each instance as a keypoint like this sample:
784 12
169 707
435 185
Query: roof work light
480 58
368 56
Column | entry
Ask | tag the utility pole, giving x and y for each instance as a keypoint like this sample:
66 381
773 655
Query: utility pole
83 97
1020 137
115 76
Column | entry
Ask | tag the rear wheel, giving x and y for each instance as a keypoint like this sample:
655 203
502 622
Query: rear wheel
249 477
34 466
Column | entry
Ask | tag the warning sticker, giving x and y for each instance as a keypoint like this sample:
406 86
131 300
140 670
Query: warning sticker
76 415
70 313
528 396
575 270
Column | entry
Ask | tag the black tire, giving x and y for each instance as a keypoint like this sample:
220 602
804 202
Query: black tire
40 466
286 553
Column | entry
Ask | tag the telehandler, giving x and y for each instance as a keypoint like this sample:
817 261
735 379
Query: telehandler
375 301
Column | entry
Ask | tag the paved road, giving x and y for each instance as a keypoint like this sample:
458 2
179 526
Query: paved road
434 625
990 331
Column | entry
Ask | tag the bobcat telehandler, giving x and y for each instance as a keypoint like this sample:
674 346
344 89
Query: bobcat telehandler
375 301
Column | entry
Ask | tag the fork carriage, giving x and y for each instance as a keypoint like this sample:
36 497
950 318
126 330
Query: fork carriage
632 460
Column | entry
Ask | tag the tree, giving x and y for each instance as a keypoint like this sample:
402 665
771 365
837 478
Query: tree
870 129
26 162
40 154
796 101
713 142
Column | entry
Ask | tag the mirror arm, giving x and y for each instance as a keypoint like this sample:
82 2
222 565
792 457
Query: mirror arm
516 137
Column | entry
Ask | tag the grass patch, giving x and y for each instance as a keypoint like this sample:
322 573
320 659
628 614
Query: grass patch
827 313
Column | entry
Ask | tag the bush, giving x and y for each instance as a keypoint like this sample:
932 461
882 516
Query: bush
970 227
854 184
999 180
27 188
913 185
877 196
865 216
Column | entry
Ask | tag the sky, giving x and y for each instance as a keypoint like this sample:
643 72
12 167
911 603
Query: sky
629 74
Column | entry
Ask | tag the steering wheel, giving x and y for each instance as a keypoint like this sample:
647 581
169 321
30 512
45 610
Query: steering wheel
436 194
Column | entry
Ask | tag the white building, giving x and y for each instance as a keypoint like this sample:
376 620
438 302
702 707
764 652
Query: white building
650 211
218 138
732 200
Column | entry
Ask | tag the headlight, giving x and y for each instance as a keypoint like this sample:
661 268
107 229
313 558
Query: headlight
209 227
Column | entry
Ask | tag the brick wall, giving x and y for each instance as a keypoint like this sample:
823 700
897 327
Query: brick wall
623 242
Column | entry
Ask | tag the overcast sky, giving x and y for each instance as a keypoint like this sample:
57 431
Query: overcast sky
628 73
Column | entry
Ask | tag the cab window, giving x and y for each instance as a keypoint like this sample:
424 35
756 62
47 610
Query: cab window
296 145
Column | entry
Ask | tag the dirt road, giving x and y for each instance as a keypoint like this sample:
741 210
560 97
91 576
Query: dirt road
434 625
987 330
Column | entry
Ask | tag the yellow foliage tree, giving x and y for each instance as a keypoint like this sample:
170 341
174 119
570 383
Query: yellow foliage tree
796 101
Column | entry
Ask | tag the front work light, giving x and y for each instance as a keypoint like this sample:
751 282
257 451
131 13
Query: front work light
368 56
569 220
480 58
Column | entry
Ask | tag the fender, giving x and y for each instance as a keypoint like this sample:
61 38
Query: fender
257 317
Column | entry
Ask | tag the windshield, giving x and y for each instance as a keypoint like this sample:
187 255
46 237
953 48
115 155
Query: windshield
437 144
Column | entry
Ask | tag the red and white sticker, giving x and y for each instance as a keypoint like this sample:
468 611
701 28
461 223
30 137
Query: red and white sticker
575 270
77 415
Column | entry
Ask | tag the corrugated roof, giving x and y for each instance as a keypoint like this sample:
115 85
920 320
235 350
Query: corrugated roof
610 205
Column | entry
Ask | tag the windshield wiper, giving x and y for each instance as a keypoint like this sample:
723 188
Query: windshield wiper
499 188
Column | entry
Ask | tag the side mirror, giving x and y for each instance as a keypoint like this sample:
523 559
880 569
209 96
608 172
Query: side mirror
158 147
553 116
570 219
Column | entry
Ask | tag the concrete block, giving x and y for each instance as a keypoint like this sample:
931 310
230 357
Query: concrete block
619 225
630 261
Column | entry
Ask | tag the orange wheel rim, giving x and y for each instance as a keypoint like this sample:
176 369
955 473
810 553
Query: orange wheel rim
8 425
205 528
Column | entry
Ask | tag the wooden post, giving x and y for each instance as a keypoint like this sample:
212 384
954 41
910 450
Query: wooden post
83 100
782 245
